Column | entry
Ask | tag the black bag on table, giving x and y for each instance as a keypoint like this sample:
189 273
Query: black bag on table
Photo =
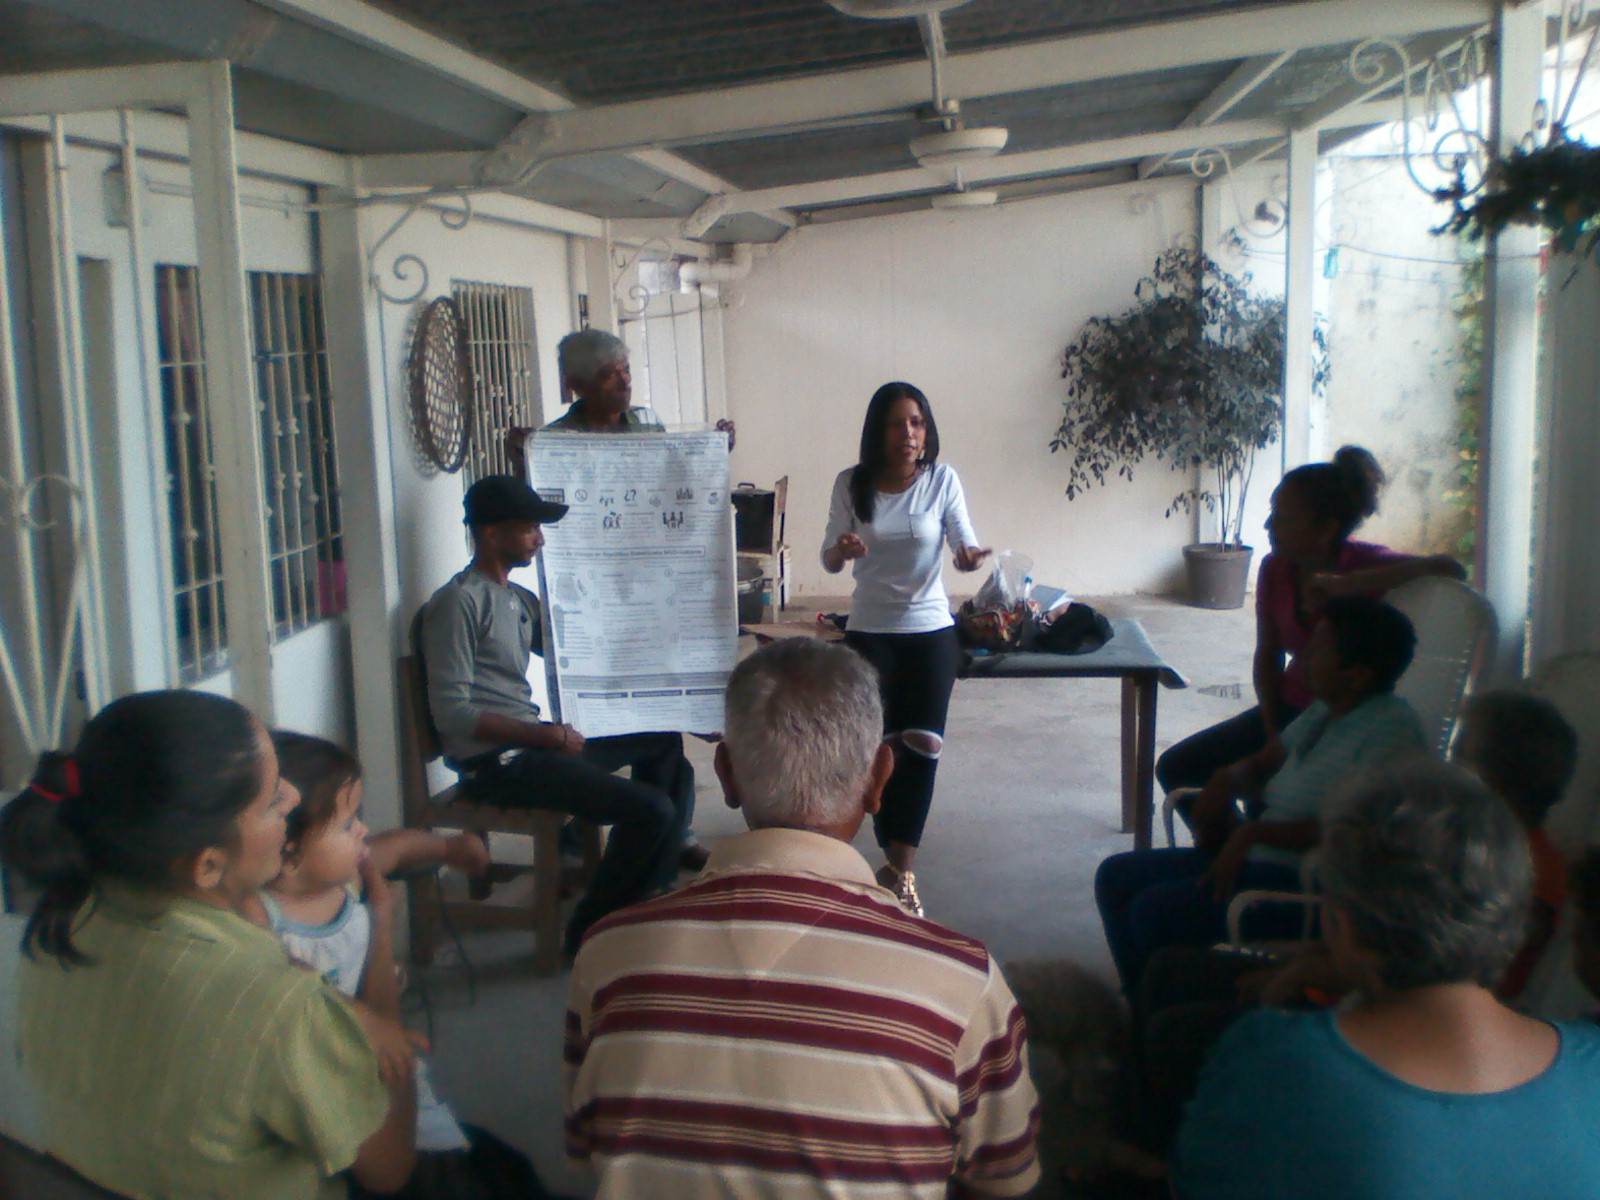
1078 630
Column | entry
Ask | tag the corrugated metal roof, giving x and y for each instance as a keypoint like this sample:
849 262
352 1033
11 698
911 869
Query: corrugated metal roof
305 79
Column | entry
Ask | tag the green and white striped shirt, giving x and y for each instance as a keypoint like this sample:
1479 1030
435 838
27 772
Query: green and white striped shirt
191 1059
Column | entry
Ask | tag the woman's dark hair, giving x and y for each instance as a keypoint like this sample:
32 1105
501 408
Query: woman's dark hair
157 777
1369 633
320 770
1344 491
874 438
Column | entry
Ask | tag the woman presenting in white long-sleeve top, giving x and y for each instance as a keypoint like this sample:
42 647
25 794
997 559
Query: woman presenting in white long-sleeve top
888 516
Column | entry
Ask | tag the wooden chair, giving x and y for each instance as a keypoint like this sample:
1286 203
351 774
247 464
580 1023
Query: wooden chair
420 746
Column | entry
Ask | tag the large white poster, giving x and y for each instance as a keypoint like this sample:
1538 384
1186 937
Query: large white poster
640 625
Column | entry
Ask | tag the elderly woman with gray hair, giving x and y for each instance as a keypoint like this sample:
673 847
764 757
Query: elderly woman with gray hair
1423 1085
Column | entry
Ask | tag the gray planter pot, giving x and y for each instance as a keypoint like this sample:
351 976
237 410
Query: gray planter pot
1217 574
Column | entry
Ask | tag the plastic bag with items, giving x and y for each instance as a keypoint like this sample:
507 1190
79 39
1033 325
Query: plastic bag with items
1003 615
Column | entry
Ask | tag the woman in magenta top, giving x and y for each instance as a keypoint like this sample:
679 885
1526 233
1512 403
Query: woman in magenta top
1314 511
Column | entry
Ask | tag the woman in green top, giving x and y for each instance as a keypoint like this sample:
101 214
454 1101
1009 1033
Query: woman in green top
173 1049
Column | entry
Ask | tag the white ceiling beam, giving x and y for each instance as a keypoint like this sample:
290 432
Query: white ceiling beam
1349 105
1080 156
1356 92
1028 189
1244 79
843 96
370 26
99 89
166 136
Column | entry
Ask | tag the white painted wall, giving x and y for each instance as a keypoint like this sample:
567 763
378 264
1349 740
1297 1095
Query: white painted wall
431 544
1398 345
975 308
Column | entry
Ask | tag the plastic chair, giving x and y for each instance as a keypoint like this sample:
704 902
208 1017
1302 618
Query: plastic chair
1455 631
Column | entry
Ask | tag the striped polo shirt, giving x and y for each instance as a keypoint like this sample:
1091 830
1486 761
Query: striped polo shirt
782 1027
190 1060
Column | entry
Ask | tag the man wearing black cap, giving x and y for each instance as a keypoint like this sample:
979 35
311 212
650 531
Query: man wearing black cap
475 636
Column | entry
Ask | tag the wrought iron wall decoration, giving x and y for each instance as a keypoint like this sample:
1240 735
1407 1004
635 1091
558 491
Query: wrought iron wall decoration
1435 125
405 266
36 692
630 291
439 374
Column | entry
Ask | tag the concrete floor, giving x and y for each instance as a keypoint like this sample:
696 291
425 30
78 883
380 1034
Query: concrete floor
1027 807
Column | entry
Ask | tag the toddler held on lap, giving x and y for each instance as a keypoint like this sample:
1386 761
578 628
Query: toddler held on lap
317 909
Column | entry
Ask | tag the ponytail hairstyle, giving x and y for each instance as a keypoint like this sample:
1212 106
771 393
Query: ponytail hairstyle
874 440
319 770
157 778
1344 491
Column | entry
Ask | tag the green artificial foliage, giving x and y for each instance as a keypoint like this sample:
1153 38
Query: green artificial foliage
1192 374
1555 186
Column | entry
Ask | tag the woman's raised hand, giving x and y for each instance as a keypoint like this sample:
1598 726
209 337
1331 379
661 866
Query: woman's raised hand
970 558
850 546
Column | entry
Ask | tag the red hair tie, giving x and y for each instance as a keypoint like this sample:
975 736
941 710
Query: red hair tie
69 775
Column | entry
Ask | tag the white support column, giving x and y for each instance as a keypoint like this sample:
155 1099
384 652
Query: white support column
713 353
1298 283
366 498
230 390
1510 354
597 276
69 347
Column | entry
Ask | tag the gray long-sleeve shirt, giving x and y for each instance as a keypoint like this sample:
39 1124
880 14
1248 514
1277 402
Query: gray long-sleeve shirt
476 639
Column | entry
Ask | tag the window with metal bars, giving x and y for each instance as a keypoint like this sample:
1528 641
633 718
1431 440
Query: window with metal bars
499 324
299 461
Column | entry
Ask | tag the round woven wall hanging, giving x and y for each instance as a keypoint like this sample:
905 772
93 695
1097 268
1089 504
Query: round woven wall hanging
440 378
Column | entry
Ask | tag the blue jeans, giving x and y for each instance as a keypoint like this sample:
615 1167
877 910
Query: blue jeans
649 813
1193 761
1149 899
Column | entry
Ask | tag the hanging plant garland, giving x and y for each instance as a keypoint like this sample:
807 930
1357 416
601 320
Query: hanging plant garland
1555 186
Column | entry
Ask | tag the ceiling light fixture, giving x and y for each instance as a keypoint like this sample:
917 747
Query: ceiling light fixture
981 198
886 10
949 147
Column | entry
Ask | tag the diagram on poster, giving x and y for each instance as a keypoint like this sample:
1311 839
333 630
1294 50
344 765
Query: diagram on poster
640 626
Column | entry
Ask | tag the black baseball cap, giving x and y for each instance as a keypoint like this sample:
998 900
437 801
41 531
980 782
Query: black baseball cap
496 498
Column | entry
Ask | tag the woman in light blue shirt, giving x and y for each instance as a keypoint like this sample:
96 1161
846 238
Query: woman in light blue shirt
1425 1086
889 515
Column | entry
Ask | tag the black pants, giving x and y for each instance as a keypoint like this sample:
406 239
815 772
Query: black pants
1193 761
916 672
489 1169
649 813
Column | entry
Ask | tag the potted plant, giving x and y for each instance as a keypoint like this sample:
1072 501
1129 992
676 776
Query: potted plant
1191 374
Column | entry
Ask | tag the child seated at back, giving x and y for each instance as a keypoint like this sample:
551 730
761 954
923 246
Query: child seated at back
1585 882
316 908
1526 752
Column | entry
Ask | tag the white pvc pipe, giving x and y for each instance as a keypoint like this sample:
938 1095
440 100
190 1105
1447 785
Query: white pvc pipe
728 270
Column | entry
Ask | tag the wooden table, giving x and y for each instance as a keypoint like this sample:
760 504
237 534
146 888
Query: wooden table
1130 657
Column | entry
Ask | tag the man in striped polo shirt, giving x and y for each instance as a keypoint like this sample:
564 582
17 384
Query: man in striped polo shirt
782 1027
